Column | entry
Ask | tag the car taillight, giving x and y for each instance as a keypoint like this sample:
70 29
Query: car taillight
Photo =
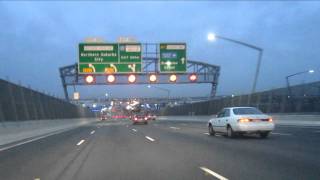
270 120
243 120
135 118
145 118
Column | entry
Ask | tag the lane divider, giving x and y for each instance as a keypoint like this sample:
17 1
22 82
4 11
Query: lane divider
92 132
149 138
208 171
134 130
80 142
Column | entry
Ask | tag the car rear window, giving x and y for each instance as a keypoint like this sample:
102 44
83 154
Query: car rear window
240 111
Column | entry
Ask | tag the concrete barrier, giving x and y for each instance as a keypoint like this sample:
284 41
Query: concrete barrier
279 119
11 132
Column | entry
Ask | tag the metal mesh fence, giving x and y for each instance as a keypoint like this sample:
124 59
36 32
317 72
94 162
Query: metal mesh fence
304 98
19 103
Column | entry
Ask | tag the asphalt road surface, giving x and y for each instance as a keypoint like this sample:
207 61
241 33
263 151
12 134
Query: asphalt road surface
164 150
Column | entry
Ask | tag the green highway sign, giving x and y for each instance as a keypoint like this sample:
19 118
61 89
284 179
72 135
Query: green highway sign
101 58
130 53
173 57
98 53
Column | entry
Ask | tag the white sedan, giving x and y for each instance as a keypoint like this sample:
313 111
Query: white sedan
241 120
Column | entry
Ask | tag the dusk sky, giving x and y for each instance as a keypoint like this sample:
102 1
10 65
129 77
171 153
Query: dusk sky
36 38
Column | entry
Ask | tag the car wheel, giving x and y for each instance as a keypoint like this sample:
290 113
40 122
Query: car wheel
211 131
264 135
230 132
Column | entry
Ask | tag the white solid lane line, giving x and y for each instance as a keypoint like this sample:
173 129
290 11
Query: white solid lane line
174 128
284 134
134 130
206 133
149 138
213 173
80 142
92 132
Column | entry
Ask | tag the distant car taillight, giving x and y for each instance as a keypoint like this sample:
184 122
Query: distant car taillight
270 120
135 118
145 118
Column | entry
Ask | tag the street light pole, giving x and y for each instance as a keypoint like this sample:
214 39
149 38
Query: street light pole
211 37
163 89
295 74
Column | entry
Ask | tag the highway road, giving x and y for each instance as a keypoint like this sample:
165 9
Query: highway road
163 150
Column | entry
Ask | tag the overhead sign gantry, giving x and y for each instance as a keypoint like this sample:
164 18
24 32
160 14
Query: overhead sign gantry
124 63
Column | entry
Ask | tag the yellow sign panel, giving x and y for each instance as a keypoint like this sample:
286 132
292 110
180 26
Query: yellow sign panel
87 70
109 70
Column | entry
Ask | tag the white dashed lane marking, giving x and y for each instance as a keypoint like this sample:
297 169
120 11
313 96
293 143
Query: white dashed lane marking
218 135
283 134
176 128
134 130
149 138
92 132
80 142
208 171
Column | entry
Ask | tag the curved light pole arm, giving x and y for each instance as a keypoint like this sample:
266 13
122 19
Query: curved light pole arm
240 42
163 89
288 82
259 58
298 73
